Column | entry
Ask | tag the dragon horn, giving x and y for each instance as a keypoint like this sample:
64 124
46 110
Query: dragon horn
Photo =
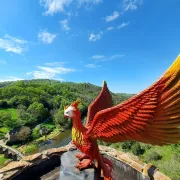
75 104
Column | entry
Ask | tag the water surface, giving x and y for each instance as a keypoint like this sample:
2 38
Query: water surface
58 141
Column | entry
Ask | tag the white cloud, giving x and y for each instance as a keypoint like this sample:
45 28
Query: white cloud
46 37
54 6
115 56
10 78
95 37
112 17
89 1
107 58
98 57
55 70
92 66
124 24
131 5
54 64
64 25
50 71
12 44
110 28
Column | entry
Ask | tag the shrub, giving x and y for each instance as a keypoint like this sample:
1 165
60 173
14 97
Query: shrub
137 149
126 145
3 104
24 133
30 148
146 146
153 156
36 134
115 145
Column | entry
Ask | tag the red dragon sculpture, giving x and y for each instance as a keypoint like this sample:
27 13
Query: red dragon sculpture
152 116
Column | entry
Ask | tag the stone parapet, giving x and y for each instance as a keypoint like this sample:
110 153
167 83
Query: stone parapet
42 163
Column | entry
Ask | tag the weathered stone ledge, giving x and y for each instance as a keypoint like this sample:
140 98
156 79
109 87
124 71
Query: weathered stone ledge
42 163
146 169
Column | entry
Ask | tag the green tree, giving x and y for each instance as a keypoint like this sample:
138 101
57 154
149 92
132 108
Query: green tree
57 102
3 104
35 133
24 133
137 149
7 120
126 145
38 111
59 119
44 132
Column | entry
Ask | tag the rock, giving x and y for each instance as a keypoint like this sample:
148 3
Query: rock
7 162
15 165
68 170
32 158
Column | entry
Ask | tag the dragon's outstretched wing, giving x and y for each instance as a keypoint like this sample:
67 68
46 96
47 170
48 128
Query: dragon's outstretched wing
103 101
153 116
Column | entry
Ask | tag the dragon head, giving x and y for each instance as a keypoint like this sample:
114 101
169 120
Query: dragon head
69 111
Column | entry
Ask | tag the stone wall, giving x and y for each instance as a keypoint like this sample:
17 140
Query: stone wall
9 153
129 167
37 165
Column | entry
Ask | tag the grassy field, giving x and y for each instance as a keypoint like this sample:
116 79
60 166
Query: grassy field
169 163
2 160
4 130
12 111
14 115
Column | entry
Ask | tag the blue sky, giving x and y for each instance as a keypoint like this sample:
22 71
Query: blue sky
128 43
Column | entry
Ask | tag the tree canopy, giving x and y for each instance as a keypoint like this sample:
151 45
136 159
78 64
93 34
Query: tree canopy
38 100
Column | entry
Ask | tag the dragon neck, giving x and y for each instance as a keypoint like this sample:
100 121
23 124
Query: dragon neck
77 124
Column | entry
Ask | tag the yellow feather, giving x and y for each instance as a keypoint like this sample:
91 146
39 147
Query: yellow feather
173 68
77 136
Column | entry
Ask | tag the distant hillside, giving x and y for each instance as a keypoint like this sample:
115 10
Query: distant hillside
37 100
84 91
2 84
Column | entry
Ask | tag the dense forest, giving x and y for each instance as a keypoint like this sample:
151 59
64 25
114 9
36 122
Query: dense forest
31 102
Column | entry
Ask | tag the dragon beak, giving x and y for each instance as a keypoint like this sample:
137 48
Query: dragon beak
65 116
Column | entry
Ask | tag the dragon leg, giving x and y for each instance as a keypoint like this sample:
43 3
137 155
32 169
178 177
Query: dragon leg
81 156
108 163
106 166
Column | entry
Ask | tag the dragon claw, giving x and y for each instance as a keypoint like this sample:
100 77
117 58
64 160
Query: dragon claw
107 169
84 164
81 156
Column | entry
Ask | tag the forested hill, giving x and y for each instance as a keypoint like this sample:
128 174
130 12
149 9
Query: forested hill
27 91
36 100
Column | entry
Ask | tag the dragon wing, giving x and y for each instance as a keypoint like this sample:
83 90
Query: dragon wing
153 116
103 101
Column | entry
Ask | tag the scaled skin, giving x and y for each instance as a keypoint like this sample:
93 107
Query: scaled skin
152 116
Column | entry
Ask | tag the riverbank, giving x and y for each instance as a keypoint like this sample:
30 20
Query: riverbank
33 145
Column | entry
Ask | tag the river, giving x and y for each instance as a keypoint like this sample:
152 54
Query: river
60 140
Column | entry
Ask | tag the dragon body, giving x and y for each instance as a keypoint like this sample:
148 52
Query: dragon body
152 116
